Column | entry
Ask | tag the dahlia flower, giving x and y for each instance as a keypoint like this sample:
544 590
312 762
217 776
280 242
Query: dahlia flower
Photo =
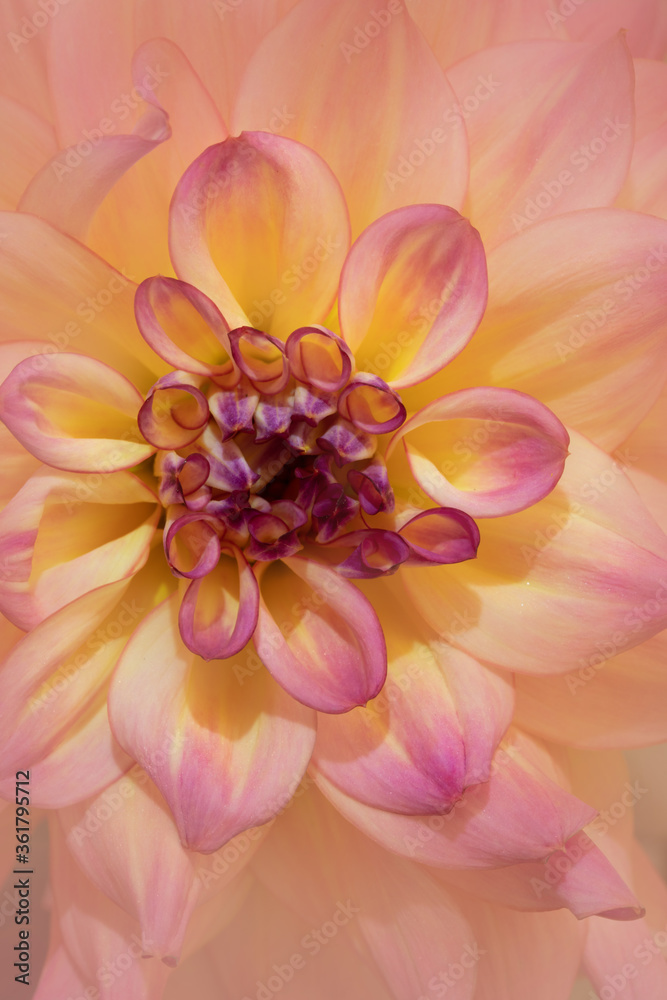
332 560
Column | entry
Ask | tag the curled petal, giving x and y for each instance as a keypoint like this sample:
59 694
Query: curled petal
319 636
319 358
192 545
371 405
488 451
347 444
63 535
378 553
261 358
371 484
412 292
219 612
184 327
233 409
174 414
74 413
442 535
239 744
260 224
332 510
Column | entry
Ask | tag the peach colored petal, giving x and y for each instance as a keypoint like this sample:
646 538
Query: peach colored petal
570 146
83 304
573 570
23 74
63 535
259 224
582 328
372 70
644 20
413 290
27 142
239 748
74 413
487 451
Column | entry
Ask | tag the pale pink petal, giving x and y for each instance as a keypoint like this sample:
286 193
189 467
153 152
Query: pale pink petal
238 748
318 635
570 146
218 613
487 451
23 74
372 66
431 732
74 413
83 304
519 814
59 976
650 93
259 224
412 293
576 568
27 142
63 535
615 698
593 21
18 463
96 932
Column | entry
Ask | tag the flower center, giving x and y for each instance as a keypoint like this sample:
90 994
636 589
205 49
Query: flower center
276 452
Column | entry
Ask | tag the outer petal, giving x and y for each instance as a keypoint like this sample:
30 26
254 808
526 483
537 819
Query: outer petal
27 143
571 145
83 304
614 698
520 814
18 464
74 413
487 451
431 732
372 66
319 636
64 535
581 565
239 750
645 23
577 318
412 293
259 224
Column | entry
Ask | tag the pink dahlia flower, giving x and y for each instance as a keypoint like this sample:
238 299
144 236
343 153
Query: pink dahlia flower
332 556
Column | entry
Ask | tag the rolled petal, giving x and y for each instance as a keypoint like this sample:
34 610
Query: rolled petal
74 413
441 535
319 636
319 358
377 553
571 145
261 359
192 545
219 611
64 535
174 414
583 566
184 327
371 483
431 732
519 814
68 196
238 748
489 451
248 218
371 405
376 66
412 292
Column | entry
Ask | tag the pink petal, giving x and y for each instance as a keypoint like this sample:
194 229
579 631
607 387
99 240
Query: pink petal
260 225
238 749
63 535
518 815
441 535
183 326
218 612
583 564
70 188
645 23
568 149
175 412
488 451
431 732
412 293
27 142
374 67
74 413
319 636
319 358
